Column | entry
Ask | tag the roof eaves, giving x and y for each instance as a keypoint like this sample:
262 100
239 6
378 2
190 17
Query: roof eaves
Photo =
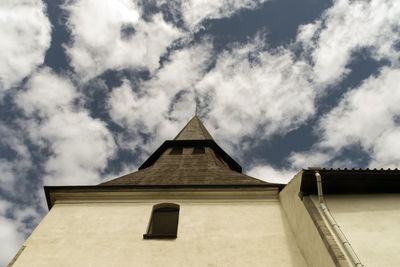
121 188
352 181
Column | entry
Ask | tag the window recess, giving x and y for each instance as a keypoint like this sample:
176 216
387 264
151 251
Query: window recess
199 150
163 222
176 151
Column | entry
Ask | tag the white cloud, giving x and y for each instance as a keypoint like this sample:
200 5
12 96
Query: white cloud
347 27
272 175
25 36
7 174
10 236
13 228
4 205
80 144
99 42
250 93
13 169
140 116
386 149
312 158
195 11
11 240
256 93
367 116
253 93
153 109
16 222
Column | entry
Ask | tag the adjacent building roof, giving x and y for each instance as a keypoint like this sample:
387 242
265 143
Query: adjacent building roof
352 181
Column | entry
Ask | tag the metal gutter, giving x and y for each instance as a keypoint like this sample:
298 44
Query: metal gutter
339 234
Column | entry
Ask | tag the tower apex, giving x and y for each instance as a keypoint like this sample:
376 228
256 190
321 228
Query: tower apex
194 130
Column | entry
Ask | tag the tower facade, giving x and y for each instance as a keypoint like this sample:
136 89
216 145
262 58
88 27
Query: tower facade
190 205
187 205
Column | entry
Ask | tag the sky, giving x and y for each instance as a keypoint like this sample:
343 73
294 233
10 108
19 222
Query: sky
89 89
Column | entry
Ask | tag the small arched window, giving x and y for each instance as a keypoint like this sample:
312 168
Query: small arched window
163 221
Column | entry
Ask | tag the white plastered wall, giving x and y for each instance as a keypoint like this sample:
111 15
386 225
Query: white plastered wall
219 232
307 236
371 223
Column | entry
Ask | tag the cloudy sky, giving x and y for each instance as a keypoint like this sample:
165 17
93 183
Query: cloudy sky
88 89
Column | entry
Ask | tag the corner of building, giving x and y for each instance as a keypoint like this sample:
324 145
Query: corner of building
313 237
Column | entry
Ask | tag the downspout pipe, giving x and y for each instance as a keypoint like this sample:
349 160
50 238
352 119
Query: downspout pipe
346 245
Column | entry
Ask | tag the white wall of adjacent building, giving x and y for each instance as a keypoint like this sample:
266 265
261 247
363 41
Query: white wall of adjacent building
218 232
371 223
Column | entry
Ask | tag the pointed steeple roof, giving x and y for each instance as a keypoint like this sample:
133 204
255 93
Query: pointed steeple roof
194 130
177 163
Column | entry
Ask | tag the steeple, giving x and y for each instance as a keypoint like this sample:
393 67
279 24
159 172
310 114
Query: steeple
191 158
194 130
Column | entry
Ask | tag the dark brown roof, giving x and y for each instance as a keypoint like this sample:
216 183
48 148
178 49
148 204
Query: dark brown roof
213 167
233 165
194 130
186 169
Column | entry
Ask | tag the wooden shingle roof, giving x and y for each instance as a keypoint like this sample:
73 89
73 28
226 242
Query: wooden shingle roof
194 130
186 169
213 167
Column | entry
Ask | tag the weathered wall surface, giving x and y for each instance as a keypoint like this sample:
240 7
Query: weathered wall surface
371 223
308 238
210 233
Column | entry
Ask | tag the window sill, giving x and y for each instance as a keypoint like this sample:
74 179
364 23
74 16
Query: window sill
149 236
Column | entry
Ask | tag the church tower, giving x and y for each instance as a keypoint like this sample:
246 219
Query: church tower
187 205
